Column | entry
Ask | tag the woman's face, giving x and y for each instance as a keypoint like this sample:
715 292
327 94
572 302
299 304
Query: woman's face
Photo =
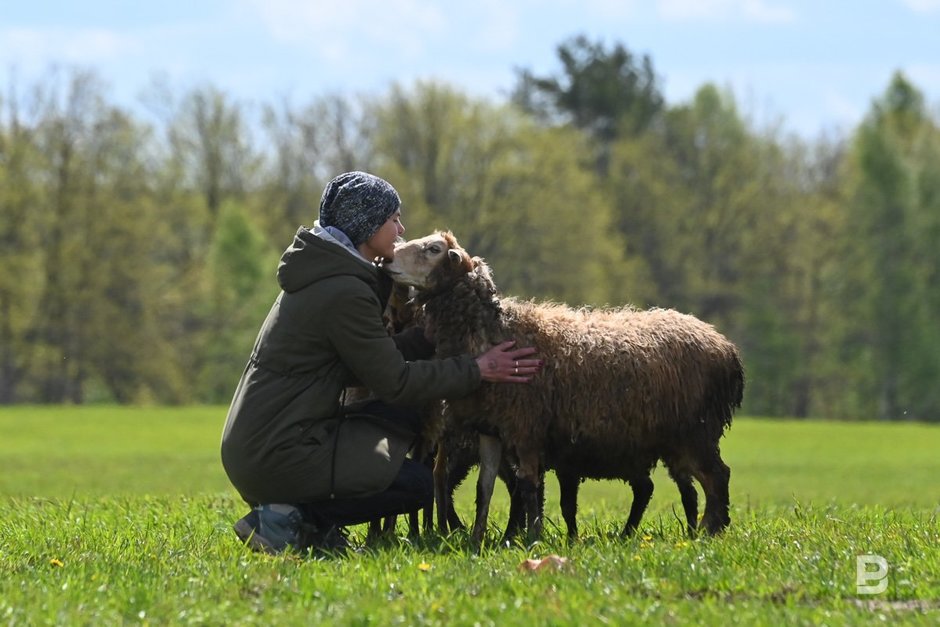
382 243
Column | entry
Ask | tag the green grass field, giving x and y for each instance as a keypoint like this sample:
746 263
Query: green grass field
123 515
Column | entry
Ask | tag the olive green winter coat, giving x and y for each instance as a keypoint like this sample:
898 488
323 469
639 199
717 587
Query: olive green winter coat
284 441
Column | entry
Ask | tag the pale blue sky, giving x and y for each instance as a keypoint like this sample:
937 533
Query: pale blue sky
816 63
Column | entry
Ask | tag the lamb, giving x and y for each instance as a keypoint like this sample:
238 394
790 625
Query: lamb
621 388
459 452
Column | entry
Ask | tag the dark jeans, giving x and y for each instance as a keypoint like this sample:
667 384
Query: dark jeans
411 490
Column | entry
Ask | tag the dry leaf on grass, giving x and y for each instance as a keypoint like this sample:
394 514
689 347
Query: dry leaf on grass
550 562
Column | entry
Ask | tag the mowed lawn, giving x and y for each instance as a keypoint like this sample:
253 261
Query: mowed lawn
122 515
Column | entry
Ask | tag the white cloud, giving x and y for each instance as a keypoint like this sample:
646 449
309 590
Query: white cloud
749 10
36 47
336 33
497 34
922 6
613 9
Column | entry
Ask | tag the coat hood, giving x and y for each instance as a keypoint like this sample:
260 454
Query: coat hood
315 255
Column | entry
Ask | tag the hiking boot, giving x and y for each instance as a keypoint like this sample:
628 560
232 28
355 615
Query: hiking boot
246 526
271 528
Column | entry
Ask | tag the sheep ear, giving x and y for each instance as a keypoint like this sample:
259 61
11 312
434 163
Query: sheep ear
460 259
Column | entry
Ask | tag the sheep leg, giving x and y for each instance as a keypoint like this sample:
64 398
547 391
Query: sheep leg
427 517
568 484
375 531
452 518
414 523
642 487
491 453
529 478
426 514
714 475
681 469
540 496
443 496
456 473
689 501
516 522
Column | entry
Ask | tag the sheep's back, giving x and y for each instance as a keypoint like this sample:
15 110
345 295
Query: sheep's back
613 376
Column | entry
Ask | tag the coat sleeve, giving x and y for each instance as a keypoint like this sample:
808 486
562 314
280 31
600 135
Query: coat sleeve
365 348
413 345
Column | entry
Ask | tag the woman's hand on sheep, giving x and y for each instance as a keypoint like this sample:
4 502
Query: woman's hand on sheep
505 364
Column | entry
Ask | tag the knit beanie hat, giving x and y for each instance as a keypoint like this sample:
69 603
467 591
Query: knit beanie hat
358 204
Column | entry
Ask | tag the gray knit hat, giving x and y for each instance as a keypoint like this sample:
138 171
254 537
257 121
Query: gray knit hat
358 204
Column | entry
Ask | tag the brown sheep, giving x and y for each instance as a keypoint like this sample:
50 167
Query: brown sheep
620 390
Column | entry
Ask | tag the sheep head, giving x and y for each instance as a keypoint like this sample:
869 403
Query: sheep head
429 263
457 291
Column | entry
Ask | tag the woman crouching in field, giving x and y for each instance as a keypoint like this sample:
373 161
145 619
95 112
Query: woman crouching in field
306 464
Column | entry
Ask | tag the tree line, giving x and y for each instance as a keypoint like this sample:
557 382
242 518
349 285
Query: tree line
139 249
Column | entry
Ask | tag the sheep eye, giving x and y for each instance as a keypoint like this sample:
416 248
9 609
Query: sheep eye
434 248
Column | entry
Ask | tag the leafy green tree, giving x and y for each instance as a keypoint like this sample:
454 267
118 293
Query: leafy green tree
239 289
95 304
717 216
437 146
895 207
512 192
213 139
136 262
60 333
686 194
206 147
310 146
206 159
604 92
563 246
128 276
789 312
21 227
